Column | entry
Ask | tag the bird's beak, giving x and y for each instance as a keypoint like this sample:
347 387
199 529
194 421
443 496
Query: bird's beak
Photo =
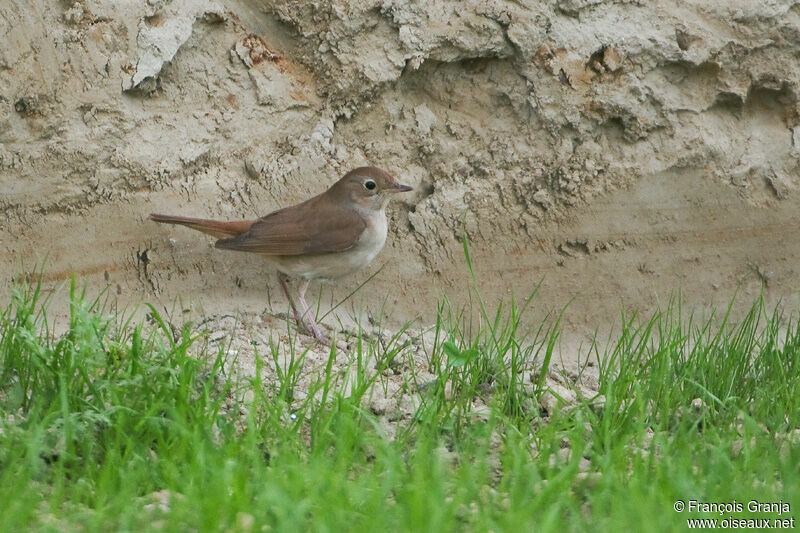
400 188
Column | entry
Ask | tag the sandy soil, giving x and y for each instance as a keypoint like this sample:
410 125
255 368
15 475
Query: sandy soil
399 384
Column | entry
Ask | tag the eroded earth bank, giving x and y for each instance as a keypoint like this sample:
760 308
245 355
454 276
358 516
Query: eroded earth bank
618 151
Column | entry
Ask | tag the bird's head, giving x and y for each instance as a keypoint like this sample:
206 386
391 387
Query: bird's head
369 187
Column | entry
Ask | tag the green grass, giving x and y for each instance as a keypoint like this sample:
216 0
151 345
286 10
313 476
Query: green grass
98 420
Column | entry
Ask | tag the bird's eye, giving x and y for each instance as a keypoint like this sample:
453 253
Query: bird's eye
369 184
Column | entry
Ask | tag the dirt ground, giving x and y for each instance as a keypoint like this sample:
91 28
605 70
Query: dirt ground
618 153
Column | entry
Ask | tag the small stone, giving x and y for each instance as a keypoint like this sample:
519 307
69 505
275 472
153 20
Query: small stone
244 521
736 447
612 59
214 14
408 405
217 335
481 412
697 405
446 455
380 406
557 396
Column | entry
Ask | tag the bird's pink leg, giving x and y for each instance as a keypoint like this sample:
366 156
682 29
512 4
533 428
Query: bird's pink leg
301 295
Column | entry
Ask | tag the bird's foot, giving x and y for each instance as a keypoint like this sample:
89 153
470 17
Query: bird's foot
313 331
318 335
321 337
324 340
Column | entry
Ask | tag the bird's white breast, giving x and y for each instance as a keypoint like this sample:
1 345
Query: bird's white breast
372 239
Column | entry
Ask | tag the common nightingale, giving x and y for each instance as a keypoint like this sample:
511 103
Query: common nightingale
326 237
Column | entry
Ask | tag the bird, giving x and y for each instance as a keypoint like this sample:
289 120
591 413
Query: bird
331 235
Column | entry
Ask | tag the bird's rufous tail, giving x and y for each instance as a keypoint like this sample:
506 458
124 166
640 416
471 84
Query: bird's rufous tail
215 228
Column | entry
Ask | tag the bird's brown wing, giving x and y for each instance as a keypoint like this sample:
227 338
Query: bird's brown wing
313 227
